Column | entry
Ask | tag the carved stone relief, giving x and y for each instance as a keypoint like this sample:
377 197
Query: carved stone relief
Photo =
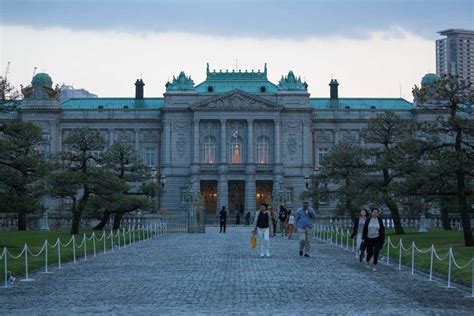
292 126
149 136
124 136
349 136
324 136
181 143
181 125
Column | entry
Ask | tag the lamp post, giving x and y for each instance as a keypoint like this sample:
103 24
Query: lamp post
159 189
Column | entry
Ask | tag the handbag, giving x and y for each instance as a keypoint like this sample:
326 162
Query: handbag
253 241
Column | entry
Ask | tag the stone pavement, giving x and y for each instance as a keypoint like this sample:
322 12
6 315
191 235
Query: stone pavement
214 273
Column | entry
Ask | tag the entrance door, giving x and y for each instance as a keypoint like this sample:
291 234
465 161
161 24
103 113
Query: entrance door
209 193
264 192
236 197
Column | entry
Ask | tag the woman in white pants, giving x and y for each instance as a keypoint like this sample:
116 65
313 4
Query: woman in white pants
263 227
357 232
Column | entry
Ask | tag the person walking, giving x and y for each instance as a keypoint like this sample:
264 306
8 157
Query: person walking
282 216
304 223
223 220
274 220
262 226
247 218
290 223
237 219
373 236
357 231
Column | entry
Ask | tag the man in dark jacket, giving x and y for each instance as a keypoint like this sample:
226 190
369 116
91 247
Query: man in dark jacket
222 219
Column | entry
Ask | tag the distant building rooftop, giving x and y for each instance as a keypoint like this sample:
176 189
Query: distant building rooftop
361 103
112 103
457 31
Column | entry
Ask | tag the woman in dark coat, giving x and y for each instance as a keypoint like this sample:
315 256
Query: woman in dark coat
373 236
357 231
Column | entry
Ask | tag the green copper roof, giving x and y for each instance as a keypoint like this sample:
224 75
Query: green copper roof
42 79
112 103
225 81
429 79
361 103
290 82
182 82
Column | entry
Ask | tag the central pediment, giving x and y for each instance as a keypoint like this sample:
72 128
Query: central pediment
236 100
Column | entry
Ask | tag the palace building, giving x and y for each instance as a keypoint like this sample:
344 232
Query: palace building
237 138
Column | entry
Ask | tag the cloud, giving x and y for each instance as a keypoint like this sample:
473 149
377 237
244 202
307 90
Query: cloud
108 62
298 19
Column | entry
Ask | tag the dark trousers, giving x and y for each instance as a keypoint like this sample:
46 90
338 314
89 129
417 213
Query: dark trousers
223 224
373 246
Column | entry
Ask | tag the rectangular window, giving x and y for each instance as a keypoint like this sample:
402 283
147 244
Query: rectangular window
289 195
263 154
150 156
182 194
209 153
322 152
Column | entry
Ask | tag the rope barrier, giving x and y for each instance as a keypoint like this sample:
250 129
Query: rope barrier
145 232
325 233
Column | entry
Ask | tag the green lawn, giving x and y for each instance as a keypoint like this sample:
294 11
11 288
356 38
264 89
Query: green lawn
15 241
441 240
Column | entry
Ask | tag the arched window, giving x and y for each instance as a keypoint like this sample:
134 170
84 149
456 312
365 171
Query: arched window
236 150
263 150
209 150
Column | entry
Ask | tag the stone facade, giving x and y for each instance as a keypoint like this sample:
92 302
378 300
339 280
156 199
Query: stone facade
237 138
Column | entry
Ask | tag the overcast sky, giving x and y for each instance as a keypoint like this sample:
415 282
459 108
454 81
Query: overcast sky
374 48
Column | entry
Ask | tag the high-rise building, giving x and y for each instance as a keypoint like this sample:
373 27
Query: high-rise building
455 53
68 92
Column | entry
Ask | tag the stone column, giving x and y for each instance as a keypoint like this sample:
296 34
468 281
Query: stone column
223 142
222 194
277 141
250 196
196 153
250 143
166 152
306 143
111 137
137 140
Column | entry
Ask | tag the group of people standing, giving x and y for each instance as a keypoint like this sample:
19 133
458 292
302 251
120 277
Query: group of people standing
265 223
369 232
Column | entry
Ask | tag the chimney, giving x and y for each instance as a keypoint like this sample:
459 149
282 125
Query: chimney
333 89
139 89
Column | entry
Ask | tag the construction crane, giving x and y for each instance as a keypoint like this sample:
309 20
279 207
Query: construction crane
7 71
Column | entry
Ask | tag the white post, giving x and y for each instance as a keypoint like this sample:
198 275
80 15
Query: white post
347 240
46 256
400 255
388 250
93 242
59 253
353 245
412 257
431 262
5 265
124 239
118 238
129 237
85 247
336 235
26 264
133 235
103 237
112 240
74 248
449 267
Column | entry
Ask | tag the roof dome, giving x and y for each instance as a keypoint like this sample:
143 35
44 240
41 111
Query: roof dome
42 79
429 79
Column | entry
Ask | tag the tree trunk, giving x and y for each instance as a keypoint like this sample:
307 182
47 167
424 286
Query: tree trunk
21 221
76 222
103 221
117 220
392 206
397 223
463 208
445 217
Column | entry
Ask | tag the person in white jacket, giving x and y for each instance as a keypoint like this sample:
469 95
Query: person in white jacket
263 227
